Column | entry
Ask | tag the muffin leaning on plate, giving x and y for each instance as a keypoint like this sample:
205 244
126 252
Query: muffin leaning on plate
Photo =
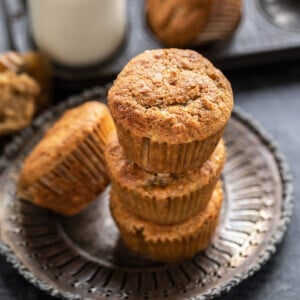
66 170
170 107
162 198
167 243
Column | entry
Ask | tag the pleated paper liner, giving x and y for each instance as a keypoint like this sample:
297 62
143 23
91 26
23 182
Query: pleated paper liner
167 243
168 210
79 174
224 18
163 198
73 183
164 157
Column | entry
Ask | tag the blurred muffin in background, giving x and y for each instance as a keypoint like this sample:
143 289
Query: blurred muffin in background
179 23
17 101
35 65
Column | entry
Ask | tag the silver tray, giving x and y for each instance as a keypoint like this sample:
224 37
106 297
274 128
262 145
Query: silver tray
82 257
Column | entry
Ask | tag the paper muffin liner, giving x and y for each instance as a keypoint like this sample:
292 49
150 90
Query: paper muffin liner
169 248
163 157
224 18
168 210
163 198
76 181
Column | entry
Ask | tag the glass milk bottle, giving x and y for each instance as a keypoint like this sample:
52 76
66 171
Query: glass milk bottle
78 32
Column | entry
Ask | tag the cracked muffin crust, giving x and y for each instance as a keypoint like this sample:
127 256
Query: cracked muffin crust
170 107
167 243
162 198
66 170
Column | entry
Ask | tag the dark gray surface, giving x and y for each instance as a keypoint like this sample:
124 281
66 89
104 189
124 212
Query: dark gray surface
272 96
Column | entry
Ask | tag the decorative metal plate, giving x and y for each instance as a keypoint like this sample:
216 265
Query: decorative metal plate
82 257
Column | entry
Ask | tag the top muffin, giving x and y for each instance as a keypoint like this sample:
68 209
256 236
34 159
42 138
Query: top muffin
170 108
171 95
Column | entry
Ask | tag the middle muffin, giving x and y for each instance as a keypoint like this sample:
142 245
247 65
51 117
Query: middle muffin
163 198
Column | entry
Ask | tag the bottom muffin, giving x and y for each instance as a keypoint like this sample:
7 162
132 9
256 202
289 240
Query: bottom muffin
167 243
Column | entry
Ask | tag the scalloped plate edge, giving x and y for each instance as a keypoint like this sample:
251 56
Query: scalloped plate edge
97 92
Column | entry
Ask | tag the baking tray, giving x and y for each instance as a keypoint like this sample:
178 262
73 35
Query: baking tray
83 257
269 31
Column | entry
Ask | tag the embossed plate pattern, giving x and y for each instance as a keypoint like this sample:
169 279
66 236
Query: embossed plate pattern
82 257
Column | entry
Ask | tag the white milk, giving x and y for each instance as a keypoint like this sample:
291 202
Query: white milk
78 32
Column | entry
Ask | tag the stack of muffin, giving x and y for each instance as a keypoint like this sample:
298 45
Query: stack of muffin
170 109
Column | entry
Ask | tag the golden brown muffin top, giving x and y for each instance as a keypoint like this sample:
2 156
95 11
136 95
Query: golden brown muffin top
133 177
177 22
64 137
171 95
154 232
